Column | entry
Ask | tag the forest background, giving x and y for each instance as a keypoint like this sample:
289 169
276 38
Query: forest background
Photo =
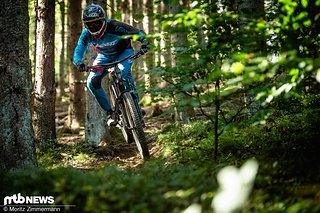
223 83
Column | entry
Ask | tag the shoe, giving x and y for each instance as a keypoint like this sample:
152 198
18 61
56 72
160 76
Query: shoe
111 118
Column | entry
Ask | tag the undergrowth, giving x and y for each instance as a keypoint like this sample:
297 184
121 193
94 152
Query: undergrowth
183 171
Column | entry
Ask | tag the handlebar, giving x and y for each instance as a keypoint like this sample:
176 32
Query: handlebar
112 64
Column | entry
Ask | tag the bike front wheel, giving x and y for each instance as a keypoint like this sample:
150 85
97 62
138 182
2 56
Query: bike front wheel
136 125
126 133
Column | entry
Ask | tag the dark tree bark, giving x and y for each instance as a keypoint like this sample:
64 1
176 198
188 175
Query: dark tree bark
35 39
44 87
111 9
17 147
125 11
62 51
77 93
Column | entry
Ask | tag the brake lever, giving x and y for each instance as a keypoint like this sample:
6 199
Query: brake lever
95 69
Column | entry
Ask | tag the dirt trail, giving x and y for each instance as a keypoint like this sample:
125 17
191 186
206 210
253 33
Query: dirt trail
116 151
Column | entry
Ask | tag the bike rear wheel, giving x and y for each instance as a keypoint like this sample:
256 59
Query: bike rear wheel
136 125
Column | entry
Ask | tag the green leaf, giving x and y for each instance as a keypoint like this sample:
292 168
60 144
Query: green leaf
307 23
237 68
261 25
295 26
302 16
304 3
294 73
240 56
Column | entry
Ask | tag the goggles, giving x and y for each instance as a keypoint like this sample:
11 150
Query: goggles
94 26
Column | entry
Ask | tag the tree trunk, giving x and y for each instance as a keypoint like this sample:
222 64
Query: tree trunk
125 11
149 80
164 57
162 45
44 92
216 119
17 146
76 80
137 13
111 9
251 10
62 51
35 39
182 113
96 129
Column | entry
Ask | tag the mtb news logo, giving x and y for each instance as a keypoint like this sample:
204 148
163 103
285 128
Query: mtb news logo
20 200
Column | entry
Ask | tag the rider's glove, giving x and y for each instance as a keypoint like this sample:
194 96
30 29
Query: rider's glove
144 46
82 67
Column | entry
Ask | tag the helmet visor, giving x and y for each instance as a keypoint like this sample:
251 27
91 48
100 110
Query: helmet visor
94 26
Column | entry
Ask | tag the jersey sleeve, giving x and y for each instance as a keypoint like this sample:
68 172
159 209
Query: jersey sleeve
81 47
120 28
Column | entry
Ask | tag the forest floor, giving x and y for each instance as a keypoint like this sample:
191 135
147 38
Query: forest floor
288 178
116 150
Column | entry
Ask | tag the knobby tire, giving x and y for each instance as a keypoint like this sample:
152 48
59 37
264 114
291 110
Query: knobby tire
136 123
126 133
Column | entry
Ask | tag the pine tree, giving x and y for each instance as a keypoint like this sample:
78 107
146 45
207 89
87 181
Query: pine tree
44 86
76 86
17 146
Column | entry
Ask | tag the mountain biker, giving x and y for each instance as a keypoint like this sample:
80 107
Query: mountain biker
107 36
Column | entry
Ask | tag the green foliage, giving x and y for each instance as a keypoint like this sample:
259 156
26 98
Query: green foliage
156 188
184 172
268 58
288 138
55 155
188 143
275 59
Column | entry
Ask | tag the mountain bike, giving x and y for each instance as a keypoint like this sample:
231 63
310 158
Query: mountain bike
124 103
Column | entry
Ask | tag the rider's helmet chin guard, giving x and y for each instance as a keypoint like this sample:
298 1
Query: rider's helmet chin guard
94 19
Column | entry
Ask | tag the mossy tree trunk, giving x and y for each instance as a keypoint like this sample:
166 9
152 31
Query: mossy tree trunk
17 145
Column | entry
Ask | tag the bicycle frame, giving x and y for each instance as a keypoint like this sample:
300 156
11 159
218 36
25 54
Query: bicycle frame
125 103
121 84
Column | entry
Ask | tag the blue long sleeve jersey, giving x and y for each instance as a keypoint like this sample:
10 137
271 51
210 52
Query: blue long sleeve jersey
111 44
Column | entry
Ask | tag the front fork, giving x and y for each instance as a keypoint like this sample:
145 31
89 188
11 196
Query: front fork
125 86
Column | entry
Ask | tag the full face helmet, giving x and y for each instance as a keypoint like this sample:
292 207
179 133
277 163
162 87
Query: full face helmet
94 19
